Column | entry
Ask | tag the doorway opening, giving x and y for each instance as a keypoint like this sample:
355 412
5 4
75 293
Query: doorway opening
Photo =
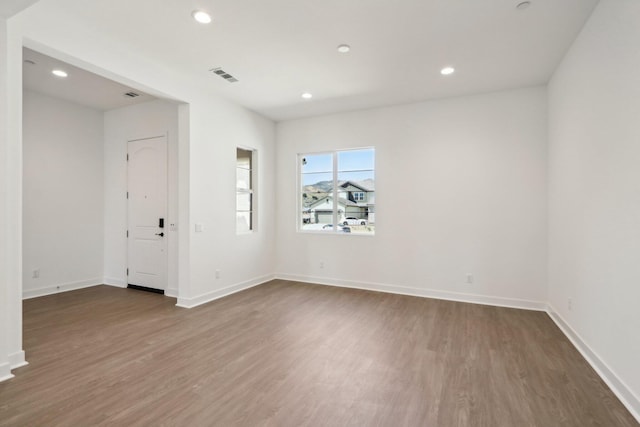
77 132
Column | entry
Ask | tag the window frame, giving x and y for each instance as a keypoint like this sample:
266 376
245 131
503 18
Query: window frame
334 193
252 190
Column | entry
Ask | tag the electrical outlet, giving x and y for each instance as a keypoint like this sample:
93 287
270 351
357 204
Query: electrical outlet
570 304
469 278
217 274
36 273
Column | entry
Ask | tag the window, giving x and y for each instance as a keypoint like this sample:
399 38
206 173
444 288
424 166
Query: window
337 192
245 200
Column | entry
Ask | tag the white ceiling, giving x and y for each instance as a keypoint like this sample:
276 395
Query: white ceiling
9 8
80 86
278 49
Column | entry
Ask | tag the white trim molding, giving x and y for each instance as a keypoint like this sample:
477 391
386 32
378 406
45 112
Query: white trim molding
418 292
5 372
62 287
619 388
214 295
112 281
171 292
17 360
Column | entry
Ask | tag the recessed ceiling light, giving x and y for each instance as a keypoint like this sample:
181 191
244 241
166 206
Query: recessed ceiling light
201 16
344 48
447 71
523 5
307 95
59 73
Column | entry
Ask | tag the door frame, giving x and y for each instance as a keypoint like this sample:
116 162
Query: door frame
167 234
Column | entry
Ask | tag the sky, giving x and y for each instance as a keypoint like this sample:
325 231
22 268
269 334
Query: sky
353 165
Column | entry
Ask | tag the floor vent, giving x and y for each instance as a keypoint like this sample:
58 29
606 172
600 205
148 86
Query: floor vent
220 72
145 289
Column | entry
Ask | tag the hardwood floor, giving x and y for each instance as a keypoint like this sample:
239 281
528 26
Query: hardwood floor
290 354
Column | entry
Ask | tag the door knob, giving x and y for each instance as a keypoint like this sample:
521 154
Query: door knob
160 234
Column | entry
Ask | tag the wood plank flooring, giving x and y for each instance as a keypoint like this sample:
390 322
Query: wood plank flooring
291 354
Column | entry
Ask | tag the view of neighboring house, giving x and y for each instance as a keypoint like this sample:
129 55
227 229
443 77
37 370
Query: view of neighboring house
355 199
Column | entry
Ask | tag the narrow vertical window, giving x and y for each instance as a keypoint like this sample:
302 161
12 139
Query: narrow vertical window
245 206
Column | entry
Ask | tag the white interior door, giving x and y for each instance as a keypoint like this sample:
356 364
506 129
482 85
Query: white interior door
147 211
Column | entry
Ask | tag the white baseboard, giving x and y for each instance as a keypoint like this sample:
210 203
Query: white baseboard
5 372
417 292
62 287
619 388
112 281
214 295
17 360
171 292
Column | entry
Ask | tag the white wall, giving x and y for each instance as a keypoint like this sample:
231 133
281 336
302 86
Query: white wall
145 120
63 195
11 198
594 203
213 127
478 162
242 259
5 283
460 188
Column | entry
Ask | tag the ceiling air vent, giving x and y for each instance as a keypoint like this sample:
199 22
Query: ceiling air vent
132 94
220 72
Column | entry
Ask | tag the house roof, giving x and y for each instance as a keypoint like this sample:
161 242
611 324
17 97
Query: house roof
368 186
341 201
347 202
